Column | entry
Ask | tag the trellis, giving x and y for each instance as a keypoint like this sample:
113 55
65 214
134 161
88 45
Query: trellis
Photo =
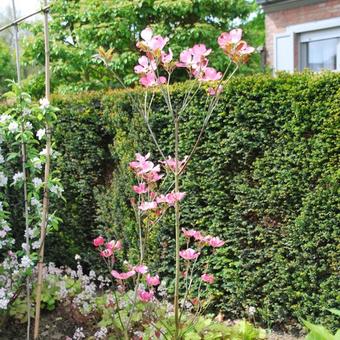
15 24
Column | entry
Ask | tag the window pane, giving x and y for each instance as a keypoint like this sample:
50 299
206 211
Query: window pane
322 54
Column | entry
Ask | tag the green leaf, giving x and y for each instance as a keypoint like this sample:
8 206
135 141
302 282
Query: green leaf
318 332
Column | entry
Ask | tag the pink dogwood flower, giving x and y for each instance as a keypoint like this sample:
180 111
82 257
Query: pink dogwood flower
141 162
193 58
106 252
166 58
153 176
232 37
140 189
170 198
214 92
145 65
141 268
150 79
98 241
148 205
171 163
122 276
114 245
152 280
192 233
174 197
216 242
235 48
161 199
145 296
210 74
150 42
189 254
208 278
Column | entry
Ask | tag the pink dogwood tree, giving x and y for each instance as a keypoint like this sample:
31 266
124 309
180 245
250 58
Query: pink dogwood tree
155 68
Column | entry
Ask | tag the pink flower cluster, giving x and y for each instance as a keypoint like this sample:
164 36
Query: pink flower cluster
108 251
235 48
190 254
153 46
110 247
151 281
195 60
171 163
212 241
149 173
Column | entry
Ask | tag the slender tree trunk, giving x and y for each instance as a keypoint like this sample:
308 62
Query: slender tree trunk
46 178
177 230
24 171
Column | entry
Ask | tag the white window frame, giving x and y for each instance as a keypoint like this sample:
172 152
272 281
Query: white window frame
323 34
294 33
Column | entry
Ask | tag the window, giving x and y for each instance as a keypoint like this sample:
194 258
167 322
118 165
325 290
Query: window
320 50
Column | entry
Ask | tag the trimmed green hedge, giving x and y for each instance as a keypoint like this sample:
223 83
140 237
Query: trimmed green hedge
264 179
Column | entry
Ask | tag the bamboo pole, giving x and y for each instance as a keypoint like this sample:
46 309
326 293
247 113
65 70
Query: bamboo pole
46 178
24 171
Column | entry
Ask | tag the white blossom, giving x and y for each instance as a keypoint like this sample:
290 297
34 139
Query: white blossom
101 333
25 262
13 127
29 232
28 125
3 179
4 302
35 202
26 111
40 133
19 176
37 181
78 334
4 118
56 189
36 244
251 311
44 152
37 163
44 103
2 159
25 246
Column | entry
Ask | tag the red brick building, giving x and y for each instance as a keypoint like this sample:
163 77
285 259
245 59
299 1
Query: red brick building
302 34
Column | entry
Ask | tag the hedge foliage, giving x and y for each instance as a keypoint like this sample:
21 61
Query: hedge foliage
264 179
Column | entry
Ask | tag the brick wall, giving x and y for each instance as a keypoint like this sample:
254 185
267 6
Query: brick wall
277 22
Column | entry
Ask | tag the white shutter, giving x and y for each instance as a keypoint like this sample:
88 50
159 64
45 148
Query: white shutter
284 52
338 56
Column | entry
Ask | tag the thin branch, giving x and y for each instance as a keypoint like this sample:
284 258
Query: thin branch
43 226
205 123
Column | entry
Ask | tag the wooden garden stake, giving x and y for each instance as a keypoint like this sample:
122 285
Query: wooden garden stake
46 178
24 171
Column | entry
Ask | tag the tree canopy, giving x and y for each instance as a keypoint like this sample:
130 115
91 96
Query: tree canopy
79 27
7 69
